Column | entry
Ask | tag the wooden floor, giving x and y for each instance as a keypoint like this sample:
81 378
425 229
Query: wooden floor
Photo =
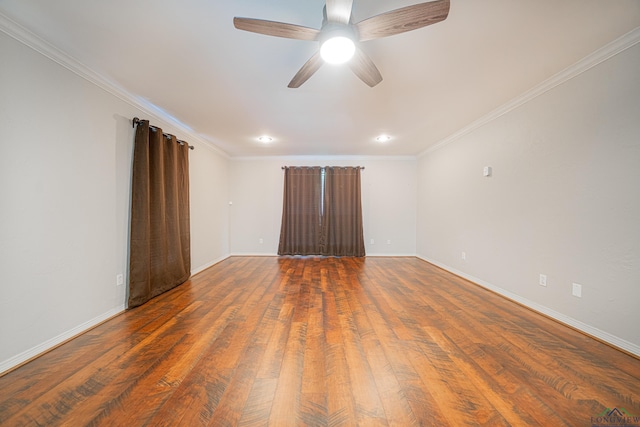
257 341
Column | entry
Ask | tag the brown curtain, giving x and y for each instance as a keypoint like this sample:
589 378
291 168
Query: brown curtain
301 211
160 257
342 220
322 212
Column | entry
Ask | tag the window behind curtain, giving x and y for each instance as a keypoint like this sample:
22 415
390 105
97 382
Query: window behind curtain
322 212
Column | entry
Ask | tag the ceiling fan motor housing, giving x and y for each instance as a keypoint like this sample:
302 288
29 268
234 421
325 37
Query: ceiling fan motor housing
335 29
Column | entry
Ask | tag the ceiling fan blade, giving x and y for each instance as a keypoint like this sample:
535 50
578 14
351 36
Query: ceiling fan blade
339 11
403 19
277 29
307 70
363 67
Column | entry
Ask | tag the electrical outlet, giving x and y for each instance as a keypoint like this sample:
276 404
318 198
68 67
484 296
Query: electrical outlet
261 241
388 242
543 280
464 256
577 290
372 241
119 280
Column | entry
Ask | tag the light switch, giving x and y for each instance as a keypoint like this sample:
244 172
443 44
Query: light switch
577 290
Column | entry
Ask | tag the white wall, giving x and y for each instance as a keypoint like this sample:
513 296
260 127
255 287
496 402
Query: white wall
388 202
564 200
65 161
209 192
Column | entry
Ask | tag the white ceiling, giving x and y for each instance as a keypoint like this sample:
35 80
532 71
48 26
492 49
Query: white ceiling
230 86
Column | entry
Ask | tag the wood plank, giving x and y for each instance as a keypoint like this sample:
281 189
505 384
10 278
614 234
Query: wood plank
314 341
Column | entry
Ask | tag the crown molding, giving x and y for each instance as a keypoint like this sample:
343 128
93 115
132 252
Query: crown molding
611 49
43 47
319 157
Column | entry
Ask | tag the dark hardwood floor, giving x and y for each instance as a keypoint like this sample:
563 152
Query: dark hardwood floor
257 341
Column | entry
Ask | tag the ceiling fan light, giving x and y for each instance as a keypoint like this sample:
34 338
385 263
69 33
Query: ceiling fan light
337 50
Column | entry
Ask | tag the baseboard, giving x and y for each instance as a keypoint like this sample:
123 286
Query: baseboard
207 265
412 255
587 329
384 255
253 254
15 361
32 353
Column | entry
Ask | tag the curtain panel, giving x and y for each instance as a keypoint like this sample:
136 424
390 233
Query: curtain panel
342 219
160 257
300 231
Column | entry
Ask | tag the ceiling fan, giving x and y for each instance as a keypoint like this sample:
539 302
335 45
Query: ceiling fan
338 31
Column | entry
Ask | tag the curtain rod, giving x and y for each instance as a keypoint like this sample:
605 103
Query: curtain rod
287 167
136 120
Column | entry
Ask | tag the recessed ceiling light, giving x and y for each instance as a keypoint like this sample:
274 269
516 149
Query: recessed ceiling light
383 138
265 139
